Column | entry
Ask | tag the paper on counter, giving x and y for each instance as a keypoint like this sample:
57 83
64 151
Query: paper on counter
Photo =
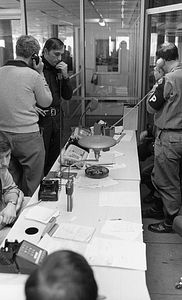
121 229
119 199
105 157
116 253
41 214
85 182
128 136
118 129
74 232
51 245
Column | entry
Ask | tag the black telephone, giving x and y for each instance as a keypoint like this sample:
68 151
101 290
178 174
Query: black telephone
21 257
36 58
48 190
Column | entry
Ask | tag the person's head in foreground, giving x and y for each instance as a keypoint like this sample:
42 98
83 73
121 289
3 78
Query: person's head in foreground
64 275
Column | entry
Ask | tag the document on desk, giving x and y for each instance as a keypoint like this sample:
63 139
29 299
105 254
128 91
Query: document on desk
105 158
116 253
74 232
85 182
125 230
128 136
119 199
51 245
41 214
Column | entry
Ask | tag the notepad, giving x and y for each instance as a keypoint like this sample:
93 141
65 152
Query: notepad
41 214
74 232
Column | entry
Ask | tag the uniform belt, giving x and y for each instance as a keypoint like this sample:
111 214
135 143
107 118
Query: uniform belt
172 129
52 111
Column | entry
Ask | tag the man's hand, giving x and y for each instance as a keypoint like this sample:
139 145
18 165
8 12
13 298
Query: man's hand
63 67
41 111
8 214
19 201
158 73
39 67
143 135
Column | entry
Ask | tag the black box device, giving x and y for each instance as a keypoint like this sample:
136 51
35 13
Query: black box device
48 190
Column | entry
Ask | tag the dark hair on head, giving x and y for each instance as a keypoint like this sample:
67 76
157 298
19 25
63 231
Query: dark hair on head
167 51
53 44
64 275
26 45
5 142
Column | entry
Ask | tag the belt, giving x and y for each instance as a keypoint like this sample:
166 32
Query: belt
172 129
52 111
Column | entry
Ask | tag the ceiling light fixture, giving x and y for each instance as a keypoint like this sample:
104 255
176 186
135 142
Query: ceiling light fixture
102 22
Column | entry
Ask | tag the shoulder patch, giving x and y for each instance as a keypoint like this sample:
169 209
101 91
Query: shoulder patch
153 99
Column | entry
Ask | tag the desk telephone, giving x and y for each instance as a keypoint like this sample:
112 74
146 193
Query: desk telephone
74 154
21 257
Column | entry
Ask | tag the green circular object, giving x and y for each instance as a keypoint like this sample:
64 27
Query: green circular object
96 172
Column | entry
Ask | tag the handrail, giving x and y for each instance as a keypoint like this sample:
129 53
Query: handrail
75 74
77 88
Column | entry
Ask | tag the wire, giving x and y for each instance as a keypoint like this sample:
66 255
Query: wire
131 109
30 205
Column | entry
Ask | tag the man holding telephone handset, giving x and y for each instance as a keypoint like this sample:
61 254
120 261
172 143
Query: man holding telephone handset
56 75
22 87
165 103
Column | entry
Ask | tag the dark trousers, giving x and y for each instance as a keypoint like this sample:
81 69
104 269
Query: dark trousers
27 160
146 162
51 135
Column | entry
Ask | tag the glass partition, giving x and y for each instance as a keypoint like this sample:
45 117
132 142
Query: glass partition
112 52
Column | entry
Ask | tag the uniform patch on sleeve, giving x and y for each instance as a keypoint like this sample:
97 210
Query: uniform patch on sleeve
157 100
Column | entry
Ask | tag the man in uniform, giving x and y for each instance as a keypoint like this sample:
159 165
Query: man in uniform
166 105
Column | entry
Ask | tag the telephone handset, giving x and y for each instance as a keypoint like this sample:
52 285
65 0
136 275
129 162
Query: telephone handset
36 58
21 257
159 64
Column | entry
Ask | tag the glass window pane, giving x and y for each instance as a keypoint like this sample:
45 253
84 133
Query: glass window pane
158 3
9 31
112 49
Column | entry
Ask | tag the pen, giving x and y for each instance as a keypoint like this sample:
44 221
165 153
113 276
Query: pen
115 219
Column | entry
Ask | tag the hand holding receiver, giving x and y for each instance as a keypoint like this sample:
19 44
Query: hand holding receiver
158 71
63 67
38 67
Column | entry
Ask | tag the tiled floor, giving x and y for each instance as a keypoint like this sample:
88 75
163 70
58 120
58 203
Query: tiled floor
164 261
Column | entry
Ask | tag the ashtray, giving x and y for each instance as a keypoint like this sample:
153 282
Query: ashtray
96 172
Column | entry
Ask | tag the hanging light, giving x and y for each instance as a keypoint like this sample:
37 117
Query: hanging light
102 22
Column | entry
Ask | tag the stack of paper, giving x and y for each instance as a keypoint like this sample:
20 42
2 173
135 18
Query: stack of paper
116 253
41 214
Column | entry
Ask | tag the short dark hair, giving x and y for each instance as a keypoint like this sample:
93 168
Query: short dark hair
5 142
64 275
167 51
53 44
26 45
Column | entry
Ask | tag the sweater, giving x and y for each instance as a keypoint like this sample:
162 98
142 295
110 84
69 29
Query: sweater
21 88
